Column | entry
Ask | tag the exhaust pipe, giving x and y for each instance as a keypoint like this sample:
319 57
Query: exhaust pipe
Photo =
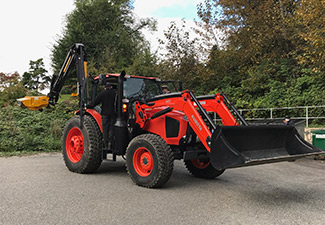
120 127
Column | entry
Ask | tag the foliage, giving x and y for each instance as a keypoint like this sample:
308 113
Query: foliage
36 78
181 59
22 130
311 22
110 32
272 51
8 78
260 53
144 64
254 28
10 88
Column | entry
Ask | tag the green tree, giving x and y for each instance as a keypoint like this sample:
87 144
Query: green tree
255 29
311 23
10 88
144 64
181 58
36 78
108 29
6 79
271 54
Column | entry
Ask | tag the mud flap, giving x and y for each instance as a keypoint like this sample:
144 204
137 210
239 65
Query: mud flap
254 145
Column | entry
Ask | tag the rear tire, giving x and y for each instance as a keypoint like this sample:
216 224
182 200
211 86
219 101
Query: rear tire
202 169
149 161
82 148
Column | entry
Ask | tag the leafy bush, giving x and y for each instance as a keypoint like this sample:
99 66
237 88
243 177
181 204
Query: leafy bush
22 130
8 95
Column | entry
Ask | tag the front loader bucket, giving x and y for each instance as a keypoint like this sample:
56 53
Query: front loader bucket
238 146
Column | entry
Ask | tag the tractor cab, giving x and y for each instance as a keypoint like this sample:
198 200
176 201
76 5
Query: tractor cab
134 87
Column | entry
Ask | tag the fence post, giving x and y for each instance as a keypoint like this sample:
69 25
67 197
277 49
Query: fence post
271 112
307 116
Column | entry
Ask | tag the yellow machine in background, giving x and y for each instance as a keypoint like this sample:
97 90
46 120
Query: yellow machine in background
34 102
76 56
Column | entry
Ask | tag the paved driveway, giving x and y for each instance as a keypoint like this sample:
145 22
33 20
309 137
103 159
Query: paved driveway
40 190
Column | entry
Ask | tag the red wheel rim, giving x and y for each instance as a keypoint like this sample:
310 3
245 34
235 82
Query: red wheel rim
199 164
143 162
74 145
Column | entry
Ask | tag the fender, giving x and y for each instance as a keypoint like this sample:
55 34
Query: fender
95 115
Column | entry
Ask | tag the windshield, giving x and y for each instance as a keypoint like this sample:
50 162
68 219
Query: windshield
140 88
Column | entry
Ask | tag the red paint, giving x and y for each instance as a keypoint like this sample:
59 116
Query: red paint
218 106
143 162
158 125
74 145
97 117
140 114
181 106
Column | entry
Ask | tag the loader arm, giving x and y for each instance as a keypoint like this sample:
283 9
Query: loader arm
229 146
180 102
215 103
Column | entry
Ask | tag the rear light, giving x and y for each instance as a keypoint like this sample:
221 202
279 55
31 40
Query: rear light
124 107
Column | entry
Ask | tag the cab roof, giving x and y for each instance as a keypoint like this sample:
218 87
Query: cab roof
128 76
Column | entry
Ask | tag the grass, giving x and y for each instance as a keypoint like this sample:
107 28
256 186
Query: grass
64 97
25 132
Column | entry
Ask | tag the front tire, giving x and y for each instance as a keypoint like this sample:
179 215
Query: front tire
202 169
81 148
149 161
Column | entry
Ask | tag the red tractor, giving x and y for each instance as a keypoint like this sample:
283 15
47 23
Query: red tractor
153 129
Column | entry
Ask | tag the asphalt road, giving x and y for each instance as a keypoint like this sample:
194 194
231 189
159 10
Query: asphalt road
40 190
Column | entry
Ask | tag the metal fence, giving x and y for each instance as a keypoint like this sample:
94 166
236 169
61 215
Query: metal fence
306 113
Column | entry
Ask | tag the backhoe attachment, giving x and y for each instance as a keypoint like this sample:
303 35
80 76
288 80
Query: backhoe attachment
75 57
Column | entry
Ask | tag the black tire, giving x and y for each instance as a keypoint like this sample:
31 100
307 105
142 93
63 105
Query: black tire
149 161
202 169
88 157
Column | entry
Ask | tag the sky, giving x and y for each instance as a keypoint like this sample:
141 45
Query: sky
29 28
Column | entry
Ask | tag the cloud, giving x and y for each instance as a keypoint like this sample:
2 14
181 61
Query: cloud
165 12
146 8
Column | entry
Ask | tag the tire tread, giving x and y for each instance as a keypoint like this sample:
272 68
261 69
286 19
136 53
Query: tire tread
206 173
165 160
91 158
